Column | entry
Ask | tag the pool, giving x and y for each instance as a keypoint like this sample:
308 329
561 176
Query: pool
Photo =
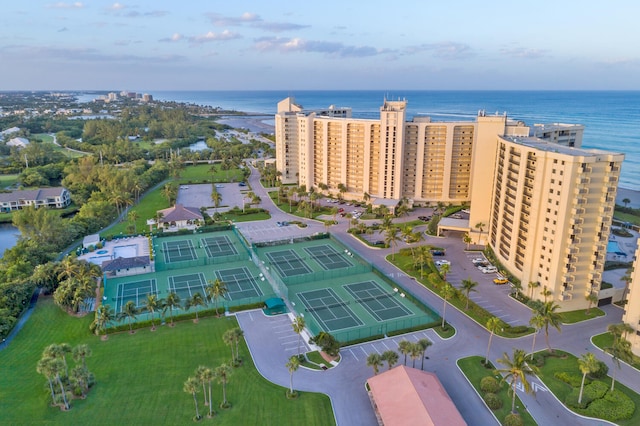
102 252
125 251
97 260
614 247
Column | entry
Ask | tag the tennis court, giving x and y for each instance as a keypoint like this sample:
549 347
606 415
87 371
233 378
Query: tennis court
331 313
218 246
187 285
135 291
178 251
380 304
328 257
288 263
239 282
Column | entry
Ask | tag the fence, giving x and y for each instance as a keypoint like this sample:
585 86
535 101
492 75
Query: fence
161 266
327 275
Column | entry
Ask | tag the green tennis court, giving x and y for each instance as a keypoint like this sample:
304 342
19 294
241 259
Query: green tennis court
135 291
328 310
187 285
218 246
328 257
288 263
178 251
239 282
380 304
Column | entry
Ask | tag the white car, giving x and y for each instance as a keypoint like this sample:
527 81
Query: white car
489 270
442 262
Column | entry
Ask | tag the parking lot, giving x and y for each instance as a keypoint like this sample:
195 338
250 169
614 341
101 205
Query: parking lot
199 195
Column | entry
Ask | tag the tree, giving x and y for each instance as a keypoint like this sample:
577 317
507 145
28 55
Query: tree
533 285
195 301
549 317
391 239
480 227
517 370
104 316
424 344
207 376
424 257
375 361
492 326
222 373
133 217
391 357
129 312
58 352
57 367
215 290
619 331
467 239
216 198
328 344
447 292
237 335
172 301
546 293
228 339
592 298
292 365
404 347
468 286
191 386
80 353
620 351
44 367
298 325
199 374
626 201
415 350
536 322
151 304
588 363
444 270
170 192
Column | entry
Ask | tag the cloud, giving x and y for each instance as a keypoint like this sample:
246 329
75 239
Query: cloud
287 45
117 6
175 37
444 50
520 52
63 5
253 20
80 55
278 27
211 36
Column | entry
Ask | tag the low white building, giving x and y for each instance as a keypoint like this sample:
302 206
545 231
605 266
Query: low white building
18 142
57 198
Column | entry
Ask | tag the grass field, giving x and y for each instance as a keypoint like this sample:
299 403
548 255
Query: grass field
627 217
572 317
146 209
202 173
49 140
605 340
8 180
139 377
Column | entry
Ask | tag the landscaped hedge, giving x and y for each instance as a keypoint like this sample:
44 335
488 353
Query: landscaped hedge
489 384
592 391
513 419
614 406
492 400
572 380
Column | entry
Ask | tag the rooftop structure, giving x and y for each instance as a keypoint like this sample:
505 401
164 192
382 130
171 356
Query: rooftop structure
43 197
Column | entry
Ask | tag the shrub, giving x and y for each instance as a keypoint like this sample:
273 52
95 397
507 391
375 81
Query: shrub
572 380
592 392
518 329
513 420
614 406
601 371
493 401
489 384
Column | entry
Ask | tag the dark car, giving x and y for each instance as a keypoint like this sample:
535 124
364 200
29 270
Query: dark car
437 252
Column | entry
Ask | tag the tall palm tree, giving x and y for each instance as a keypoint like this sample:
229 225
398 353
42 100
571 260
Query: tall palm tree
197 300
80 353
298 325
228 339
208 376
533 285
104 316
467 287
620 351
536 322
222 373
57 368
129 312
215 290
480 227
199 374
546 293
152 304
447 292
44 367
626 201
444 270
424 344
592 298
375 361
550 317
133 217
588 363
619 331
191 386
517 370
292 365
237 334
415 350
467 239
391 357
404 346
424 257
172 301
492 326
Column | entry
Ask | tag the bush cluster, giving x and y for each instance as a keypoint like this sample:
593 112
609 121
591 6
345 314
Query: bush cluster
512 419
492 400
489 384
572 380
601 372
592 392
614 406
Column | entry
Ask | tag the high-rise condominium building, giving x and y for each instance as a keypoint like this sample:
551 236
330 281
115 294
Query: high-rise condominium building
632 308
545 207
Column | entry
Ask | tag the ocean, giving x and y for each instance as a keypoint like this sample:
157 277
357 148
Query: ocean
612 118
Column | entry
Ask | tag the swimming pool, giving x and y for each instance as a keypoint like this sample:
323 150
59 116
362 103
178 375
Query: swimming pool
125 251
614 247
97 260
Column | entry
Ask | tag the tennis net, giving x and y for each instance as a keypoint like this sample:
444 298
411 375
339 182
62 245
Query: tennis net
329 306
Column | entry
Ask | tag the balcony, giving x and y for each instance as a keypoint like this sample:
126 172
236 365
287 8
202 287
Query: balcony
572 250
581 191
569 270
582 181
568 286
564 296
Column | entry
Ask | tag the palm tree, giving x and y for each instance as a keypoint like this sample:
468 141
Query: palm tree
57 367
292 365
592 298
467 239
404 346
237 335
375 361
444 270
199 374
468 286
415 350
546 293
104 316
391 357
492 326
216 198
151 304
191 386
424 344
44 367
133 217
222 373
80 353
391 239
517 370
533 285
447 292
550 318
172 301
536 322
619 331
621 350
298 325
58 352
626 201
195 301
207 376
216 289
228 339
129 312
480 227
588 363
424 257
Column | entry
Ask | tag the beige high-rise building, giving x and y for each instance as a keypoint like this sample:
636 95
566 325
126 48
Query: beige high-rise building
544 208
632 308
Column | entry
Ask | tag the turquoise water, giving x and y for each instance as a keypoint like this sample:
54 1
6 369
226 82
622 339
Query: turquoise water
614 247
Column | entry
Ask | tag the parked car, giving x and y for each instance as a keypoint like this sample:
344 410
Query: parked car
437 252
442 262
489 270
340 210
500 281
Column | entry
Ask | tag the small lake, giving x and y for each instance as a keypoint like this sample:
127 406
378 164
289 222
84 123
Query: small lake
9 235
198 146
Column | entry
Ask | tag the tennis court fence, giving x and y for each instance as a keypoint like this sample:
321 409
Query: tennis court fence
327 275
330 306
162 266
277 284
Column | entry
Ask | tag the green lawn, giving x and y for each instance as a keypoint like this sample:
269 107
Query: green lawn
475 371
8 180
567 363
46 138
146 209
626 217
139 377
201 173
572 317
605 340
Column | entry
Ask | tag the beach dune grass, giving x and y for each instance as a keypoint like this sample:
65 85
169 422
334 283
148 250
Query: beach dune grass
139 377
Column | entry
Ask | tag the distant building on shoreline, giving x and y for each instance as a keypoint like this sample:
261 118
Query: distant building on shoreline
544 204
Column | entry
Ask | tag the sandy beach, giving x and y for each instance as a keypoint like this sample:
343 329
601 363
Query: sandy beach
255 123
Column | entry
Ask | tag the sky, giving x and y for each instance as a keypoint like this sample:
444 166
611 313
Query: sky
145 45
